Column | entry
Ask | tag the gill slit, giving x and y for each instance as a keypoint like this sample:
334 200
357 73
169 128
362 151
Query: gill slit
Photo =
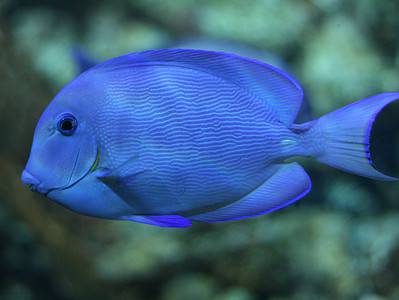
91 170
96 162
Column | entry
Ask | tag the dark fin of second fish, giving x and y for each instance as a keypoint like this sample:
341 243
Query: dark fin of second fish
287 185
83 61
161 221
280 92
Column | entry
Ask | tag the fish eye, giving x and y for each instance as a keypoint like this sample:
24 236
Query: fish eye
67 124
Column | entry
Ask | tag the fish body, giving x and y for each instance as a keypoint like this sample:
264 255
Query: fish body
166 137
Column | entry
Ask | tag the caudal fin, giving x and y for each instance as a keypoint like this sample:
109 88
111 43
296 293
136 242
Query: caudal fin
344 136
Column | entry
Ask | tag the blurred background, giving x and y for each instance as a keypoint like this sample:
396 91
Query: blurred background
340 242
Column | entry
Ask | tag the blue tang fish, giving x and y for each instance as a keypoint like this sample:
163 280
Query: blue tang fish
168 137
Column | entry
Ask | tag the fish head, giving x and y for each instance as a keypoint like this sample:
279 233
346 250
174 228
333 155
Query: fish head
66 160
64 148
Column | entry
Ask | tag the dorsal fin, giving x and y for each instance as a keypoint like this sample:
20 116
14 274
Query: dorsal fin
277 89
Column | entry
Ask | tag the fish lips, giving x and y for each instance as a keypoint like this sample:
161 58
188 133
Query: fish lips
34 184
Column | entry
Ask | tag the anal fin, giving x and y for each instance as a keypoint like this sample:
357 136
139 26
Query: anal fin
287 185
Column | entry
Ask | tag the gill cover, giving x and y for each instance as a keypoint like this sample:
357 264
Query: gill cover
56 160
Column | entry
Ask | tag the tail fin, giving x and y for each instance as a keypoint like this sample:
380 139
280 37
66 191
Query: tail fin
344 136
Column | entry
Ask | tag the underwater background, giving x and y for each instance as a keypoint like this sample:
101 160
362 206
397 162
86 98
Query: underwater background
339 242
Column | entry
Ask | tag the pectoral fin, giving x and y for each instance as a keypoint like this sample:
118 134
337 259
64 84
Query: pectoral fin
121 180
287 185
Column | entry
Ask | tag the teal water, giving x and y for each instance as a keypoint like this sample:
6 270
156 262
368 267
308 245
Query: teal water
340 242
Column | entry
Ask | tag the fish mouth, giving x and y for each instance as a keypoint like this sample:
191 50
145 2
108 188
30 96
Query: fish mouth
36 186
33 183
